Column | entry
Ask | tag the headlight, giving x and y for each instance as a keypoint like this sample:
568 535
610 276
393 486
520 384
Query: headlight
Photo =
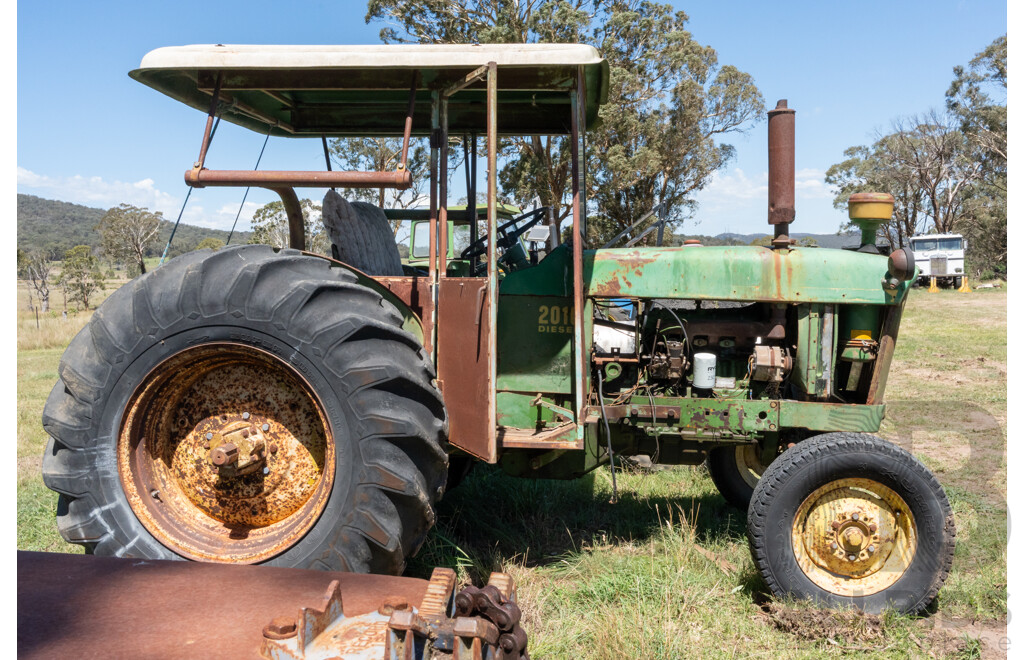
901 264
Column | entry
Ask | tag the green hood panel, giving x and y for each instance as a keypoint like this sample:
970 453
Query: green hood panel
748 273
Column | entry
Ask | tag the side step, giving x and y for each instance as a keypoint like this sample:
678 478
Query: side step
562 436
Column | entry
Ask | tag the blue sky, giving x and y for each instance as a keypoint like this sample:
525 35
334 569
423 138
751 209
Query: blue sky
88 134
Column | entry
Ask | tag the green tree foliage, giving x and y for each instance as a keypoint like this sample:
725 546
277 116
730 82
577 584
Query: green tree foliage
210 243
977 97
270 227
35 268
947 171
127 233
670 101
80 275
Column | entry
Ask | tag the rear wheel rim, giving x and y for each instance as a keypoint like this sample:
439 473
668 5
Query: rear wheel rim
278 481
749 465
854 537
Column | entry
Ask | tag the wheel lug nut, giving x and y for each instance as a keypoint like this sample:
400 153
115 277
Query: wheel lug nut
245 433
834 546
855 517
836 524
245 415
265 427
273 449
266 470
873 528
852 557
871 549
209 436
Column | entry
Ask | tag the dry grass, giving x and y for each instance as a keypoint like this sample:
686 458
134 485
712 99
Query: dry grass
666 572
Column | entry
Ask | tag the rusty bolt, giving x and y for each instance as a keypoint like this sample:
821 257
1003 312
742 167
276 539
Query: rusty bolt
273 448
873 528
245 433
281 627
265 427
225 454
836 524
245 415
155 494
855 516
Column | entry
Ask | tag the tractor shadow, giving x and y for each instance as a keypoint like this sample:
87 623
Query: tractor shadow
493 519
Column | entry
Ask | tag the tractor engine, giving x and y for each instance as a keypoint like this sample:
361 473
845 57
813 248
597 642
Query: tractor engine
694 348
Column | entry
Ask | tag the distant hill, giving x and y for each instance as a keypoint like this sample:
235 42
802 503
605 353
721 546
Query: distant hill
54 227
835 241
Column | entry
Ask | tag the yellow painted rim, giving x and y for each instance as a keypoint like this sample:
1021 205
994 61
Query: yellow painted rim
854 537
749 465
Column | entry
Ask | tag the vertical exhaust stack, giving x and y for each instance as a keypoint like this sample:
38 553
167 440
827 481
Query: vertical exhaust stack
781 172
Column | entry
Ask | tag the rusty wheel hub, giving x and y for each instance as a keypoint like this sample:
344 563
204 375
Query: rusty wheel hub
225 454
854 537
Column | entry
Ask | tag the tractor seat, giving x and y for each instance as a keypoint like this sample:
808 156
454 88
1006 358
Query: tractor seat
361 236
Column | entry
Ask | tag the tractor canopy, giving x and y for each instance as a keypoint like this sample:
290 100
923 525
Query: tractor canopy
311 91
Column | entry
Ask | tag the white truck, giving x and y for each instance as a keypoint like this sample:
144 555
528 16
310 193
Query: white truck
940 256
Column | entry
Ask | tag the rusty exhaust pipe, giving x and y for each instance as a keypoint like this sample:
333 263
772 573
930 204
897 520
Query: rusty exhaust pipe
781 171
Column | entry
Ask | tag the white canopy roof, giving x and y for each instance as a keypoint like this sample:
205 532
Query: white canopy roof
413 56
364 90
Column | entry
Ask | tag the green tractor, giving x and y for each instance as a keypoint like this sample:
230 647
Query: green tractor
261 405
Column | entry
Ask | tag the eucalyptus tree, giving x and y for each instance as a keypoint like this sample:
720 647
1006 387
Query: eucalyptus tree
658 137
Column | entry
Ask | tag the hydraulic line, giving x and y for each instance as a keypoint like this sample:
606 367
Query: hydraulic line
608 434
242 205
183 204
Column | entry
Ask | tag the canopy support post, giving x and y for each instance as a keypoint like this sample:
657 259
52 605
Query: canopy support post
208 132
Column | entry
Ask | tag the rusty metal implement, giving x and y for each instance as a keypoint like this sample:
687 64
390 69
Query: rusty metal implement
81 606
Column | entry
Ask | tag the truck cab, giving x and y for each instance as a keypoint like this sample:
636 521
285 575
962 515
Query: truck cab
940 256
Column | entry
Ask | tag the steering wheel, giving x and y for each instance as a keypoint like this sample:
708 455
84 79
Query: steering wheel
506 240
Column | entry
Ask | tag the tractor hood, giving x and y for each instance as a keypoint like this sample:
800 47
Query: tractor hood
748 273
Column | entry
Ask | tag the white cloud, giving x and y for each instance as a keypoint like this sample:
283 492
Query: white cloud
736 188
810 184
95 191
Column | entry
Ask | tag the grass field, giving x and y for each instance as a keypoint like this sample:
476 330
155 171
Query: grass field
665 573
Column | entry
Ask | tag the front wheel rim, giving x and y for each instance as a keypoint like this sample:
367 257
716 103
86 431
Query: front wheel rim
854 537
207 504
749 465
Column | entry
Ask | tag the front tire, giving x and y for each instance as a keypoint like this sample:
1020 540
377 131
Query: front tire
850 520
736 471
306 370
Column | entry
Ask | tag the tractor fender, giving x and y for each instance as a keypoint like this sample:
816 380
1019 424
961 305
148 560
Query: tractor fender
411 321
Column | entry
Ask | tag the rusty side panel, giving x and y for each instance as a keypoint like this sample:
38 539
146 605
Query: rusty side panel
74 606
462 364
415 293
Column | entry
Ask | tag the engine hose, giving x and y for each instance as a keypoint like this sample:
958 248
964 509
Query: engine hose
608 434
668 309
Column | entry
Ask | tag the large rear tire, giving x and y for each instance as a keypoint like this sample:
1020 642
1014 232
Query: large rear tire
850 520
324 411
